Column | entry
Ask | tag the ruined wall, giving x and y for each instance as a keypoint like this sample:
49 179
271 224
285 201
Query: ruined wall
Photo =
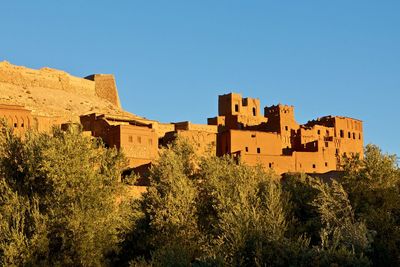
100 85
105 87
44 78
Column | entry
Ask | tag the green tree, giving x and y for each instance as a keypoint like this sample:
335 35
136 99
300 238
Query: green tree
66 184
373 185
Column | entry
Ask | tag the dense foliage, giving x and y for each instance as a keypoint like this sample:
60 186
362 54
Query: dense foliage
58 207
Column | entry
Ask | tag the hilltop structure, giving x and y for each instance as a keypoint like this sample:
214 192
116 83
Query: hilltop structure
277 141
40 99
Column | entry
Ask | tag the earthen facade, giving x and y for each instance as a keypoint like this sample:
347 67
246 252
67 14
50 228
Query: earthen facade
277 141
137 140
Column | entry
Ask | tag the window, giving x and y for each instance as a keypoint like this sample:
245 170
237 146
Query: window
254 111
359 136
139 139
349 135
130 139
258 150
337 151
354 135
319 132
253 135
341 134
236 108
327 132
326 144
314 166
15 125
326 164
286 128
247 149
270 165
22 125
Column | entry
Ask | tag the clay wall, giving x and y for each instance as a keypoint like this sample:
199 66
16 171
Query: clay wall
315 162
239 112
163 128
249 142
17 117
105 87
188 126
140 144
279 163
203 142
101 85
44 78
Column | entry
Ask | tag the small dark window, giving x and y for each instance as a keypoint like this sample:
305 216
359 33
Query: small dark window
314 166
319 132
327 132
22 125
130 139
337 151
349 134
354 135
359 136
326 144
258 150
326 164
236 108
270 165
139 139
247 149
15 125
254 111
341 134
286 128
253 135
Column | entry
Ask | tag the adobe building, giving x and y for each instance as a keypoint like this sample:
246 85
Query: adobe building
277 141
17 117
21 119
136 139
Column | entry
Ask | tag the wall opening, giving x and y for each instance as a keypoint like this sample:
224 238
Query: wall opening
341 134
258 150
236 108
247 149
314 166
254 111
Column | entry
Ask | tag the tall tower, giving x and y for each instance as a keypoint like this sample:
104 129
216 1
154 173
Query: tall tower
282 121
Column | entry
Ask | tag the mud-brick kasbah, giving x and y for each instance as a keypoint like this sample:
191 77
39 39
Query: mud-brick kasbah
40 99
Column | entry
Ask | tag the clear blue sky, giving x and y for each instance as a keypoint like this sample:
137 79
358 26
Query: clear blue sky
173 58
